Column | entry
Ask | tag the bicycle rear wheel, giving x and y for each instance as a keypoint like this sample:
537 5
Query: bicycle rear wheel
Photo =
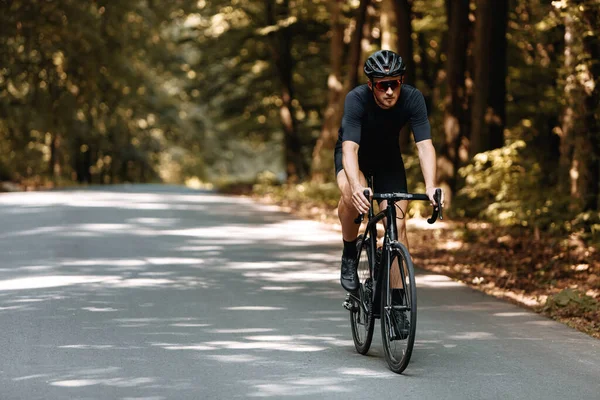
361 317
398 338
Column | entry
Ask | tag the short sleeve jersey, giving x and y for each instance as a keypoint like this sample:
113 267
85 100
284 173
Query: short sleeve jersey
377 130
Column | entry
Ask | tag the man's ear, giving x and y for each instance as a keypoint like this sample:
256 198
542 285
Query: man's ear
370 85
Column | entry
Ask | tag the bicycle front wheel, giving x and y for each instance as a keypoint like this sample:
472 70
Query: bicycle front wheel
361 317
398 320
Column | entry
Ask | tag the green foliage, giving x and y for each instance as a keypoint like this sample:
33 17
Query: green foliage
570 302
306 194
588 224
503 186
82 89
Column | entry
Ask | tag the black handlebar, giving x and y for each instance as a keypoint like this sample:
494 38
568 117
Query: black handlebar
437 196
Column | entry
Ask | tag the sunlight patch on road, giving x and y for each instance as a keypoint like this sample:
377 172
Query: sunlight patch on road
241 358
155 221
301 338
366 373
473 336
316 387
76 383
28 377
281 346
512 314
264 265
243 330
282 288
174 261
105 261
115 382
197 347
40 282
135 262
97 309
111 281
290 231
253 308
36 231
200 248
436 281
297 276
88 346
103 227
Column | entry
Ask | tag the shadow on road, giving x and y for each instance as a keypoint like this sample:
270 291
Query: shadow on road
134 293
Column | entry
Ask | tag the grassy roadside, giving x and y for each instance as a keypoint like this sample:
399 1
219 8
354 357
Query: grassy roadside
555 276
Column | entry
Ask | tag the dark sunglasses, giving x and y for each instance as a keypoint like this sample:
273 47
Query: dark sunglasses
383 86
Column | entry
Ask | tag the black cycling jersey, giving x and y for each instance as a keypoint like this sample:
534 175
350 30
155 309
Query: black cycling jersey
377 131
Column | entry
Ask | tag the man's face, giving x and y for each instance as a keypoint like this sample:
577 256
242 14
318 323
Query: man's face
387 91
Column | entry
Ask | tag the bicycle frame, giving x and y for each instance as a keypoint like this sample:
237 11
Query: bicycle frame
390 236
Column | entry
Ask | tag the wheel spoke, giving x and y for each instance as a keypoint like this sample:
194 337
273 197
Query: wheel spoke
399 323
360 321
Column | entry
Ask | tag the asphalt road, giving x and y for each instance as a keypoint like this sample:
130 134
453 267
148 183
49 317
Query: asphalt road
160 292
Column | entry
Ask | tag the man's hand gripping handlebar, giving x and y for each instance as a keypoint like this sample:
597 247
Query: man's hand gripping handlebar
437 209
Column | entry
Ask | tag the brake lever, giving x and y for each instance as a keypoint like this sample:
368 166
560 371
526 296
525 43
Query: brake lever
361 217
437 210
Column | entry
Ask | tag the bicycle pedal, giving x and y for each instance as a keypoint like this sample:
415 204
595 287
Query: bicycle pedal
348 305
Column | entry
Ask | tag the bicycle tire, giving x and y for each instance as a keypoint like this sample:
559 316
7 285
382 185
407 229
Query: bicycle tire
399 356
361 317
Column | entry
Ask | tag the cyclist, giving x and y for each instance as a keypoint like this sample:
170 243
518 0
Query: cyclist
368 143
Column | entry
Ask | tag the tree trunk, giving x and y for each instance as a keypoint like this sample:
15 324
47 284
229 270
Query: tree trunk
481 82
355 51
295 166
580 148
498 74
488 109
404 41
321 163
590 151
387 21
404 44
455 102
323 151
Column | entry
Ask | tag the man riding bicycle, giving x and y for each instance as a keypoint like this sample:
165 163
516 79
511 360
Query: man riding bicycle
368 144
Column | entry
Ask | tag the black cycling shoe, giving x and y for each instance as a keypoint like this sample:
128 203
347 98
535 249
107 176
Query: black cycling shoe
349 277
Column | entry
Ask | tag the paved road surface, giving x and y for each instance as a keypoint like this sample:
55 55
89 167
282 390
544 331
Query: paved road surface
158 292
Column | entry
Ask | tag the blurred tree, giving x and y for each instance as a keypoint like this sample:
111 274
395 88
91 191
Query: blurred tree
321 167
404 47
489 87
78 80
455 101
296 167
580 147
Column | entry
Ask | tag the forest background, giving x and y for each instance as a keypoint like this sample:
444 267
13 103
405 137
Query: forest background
247 96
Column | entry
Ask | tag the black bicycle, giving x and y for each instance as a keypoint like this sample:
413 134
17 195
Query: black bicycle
380 269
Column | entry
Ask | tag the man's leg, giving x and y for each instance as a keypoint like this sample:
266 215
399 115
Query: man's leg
346 211
347 214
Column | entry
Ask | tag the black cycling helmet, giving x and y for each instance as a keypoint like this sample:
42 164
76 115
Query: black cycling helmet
384 64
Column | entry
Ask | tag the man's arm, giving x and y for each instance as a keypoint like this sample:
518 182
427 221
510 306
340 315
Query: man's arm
350 163
427 160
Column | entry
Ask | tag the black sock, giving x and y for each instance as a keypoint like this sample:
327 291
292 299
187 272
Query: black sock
349 249
397 296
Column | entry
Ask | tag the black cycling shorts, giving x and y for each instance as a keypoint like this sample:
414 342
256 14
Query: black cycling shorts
388 176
